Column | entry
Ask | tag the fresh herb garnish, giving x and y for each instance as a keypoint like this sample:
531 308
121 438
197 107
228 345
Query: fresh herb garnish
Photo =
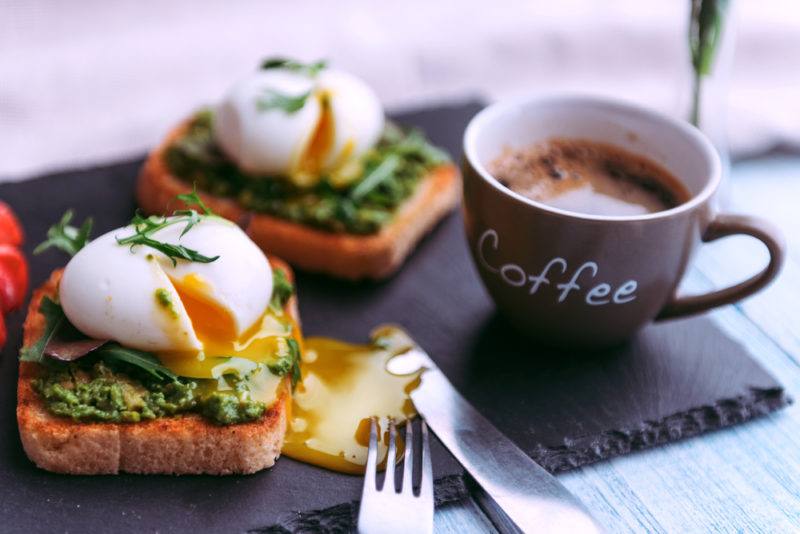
705 33
289 104
54 319
145 227
116 353
288 362
282 290
193 199
311 69
65 237
379 174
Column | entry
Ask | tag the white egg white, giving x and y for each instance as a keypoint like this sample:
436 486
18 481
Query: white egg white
109 291
357 115
275 142
265 141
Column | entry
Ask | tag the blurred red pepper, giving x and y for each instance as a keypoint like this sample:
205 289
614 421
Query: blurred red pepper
10 228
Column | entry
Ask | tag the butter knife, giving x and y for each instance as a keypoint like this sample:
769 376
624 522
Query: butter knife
531 497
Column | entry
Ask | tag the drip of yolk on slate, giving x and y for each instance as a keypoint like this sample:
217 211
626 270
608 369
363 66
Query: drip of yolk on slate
343 386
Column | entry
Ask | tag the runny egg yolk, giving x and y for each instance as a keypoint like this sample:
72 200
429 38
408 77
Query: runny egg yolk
312 160
343 386
215 327
212 322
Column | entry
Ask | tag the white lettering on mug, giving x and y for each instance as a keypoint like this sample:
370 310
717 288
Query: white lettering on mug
625 292
569 286
517 279
481 257
514 275
595 296
542 278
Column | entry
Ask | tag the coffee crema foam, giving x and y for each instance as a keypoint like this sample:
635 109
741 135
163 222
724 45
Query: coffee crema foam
588 177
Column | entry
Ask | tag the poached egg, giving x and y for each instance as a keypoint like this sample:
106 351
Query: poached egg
339 120
200 319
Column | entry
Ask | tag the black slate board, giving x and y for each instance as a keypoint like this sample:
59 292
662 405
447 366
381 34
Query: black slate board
676 380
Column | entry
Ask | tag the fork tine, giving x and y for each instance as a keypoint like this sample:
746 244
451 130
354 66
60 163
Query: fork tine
426 480
371 474
391 459
408 462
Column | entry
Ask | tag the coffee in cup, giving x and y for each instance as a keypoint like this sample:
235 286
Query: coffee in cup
588 177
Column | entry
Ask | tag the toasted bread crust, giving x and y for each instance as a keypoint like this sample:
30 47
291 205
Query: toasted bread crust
185 444
348 256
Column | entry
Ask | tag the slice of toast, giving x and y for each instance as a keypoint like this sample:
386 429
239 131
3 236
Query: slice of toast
344 255
184 444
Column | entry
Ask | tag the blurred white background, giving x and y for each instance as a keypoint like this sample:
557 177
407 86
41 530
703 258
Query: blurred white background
92 81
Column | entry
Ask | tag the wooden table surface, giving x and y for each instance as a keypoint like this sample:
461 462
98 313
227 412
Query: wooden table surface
742 479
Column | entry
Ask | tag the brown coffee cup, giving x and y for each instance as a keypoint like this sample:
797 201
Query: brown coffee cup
575 280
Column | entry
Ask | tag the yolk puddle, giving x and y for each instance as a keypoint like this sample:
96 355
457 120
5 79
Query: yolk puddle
343 386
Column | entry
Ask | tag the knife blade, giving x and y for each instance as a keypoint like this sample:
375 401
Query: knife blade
530 496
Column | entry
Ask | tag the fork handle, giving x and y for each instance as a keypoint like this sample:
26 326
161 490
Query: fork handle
531 497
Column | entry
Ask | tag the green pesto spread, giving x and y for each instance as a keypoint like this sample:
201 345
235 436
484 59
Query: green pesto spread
98 392
388 174
122 385
164 299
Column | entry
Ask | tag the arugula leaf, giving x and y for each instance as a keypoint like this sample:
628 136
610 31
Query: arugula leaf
54 320
312 69
380 174
115 353
173 252
145 227
288 362
272 99
294 347
65 237
193 199
282 290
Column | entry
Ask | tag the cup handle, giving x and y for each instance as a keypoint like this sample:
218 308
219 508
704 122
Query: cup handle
723 226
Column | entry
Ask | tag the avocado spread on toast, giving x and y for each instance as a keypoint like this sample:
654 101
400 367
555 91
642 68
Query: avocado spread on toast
360 200
115 384
94 391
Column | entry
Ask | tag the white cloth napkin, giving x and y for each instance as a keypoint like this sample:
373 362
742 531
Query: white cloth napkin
93 81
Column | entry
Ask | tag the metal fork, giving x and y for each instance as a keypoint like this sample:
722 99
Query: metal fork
385 510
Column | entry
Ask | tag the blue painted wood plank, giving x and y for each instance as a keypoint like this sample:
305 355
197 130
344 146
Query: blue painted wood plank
464 517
